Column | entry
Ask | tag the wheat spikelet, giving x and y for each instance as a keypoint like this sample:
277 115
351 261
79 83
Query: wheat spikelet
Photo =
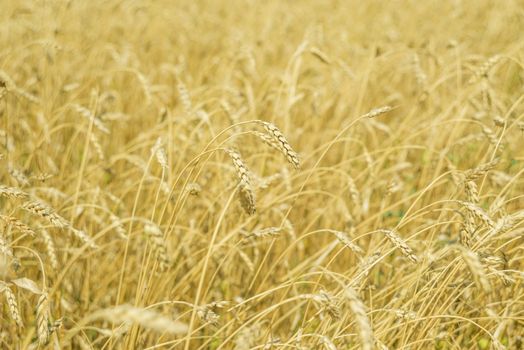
19 225
344 239
146 86
467 230
160 154
420 76
315 51
499 121
472 192
45 211
42 319
50 247
206 314
194 189
283 144
119 228
5 248
400 244
353 191
265 232
144 317
247 196
497 206
247 337
184 97
483 70
18 175
12 304
361 318
477 269
12 192
96 144
247 260
328 344
156 238
405 314
481 170
478 213
84 237
268 140
377 111
492 137
87 114
364 267
325 302
392 187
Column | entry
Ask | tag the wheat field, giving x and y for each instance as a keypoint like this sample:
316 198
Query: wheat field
240 174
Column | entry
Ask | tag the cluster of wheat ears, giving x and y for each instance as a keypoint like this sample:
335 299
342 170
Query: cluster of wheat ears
202 174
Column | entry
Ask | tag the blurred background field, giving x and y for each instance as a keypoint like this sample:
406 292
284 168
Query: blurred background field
261 174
